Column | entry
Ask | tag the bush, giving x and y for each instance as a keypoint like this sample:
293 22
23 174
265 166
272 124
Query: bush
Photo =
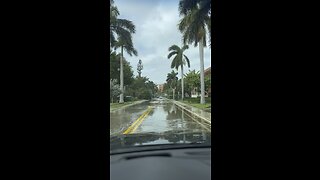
114 90
128 98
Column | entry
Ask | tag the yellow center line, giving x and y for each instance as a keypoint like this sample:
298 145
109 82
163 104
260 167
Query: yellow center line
137 123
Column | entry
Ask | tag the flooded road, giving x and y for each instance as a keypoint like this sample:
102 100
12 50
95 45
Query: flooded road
153 116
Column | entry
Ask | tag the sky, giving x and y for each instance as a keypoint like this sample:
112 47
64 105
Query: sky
156 24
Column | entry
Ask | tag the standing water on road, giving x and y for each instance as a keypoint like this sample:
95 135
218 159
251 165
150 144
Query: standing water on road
163 116
156 122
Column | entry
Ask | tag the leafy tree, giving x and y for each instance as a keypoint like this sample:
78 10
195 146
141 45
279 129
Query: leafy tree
192 81
166 89
207 81
115 69
114 89
142 88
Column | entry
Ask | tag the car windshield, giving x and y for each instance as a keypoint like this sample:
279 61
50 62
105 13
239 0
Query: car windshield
160 74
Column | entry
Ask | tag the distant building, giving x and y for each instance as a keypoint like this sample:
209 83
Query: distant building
207 73
160 87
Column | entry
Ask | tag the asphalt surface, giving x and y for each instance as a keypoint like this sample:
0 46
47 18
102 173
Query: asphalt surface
158 115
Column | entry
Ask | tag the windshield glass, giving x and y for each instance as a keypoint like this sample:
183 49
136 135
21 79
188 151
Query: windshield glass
160 73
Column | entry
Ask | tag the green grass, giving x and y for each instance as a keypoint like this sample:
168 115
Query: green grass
195 102
201 106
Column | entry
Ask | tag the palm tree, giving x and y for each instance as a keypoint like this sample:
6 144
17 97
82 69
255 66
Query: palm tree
127 45
172 80
114 12
119 27
179 60
123 29
194 25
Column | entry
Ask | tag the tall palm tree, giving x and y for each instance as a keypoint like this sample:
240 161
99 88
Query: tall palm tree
180 59
114 12
127 45
194 25
172 80
121 31
119 27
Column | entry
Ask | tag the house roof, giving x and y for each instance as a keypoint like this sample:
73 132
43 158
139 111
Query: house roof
208 70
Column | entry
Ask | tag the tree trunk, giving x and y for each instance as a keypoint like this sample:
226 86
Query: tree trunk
121 76
182 84
201 49
173 93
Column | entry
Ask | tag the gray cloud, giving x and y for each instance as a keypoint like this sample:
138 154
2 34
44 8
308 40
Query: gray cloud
156 30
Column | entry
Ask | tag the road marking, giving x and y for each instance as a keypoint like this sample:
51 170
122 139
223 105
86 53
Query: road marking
137 123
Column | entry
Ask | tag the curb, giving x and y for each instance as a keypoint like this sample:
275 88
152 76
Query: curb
181 105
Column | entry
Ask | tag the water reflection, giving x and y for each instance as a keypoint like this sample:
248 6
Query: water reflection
164 116
170 137
180 119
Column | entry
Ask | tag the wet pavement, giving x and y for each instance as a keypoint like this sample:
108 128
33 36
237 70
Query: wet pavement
164 116
202 113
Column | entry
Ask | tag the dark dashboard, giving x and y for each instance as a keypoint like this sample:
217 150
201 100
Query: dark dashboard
169 164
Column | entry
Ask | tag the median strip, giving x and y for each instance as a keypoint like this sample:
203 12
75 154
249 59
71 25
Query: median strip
137 123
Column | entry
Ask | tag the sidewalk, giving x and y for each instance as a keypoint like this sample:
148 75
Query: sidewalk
196 111
125 106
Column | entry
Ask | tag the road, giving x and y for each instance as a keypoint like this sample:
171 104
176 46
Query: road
153 116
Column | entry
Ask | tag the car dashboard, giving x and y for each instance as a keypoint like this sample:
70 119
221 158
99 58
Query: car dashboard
169 164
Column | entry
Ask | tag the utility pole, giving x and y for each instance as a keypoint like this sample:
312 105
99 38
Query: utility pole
140 67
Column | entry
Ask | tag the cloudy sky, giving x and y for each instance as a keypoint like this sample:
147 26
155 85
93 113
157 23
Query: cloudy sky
156 30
